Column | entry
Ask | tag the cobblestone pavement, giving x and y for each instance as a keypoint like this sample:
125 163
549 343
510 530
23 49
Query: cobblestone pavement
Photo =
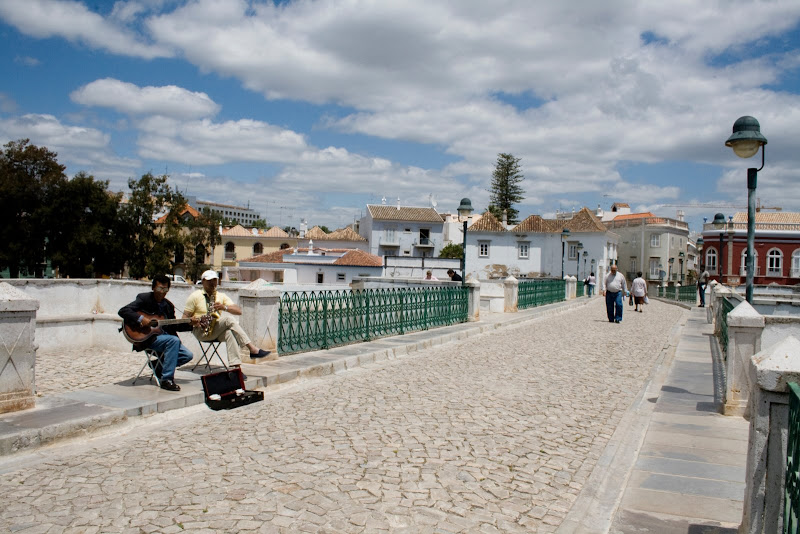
74 369
497 433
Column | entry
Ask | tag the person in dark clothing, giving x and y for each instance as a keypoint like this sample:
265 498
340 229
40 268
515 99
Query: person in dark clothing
167 341
454 276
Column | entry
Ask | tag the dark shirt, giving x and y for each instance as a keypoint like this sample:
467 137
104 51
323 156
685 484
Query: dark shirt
456 278
146 303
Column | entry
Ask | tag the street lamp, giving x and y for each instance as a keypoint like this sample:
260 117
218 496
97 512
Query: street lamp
464 211
564 235
745 140
578 249
670 261
719 224
680 261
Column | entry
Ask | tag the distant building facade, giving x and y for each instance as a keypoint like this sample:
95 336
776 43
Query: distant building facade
311 266
242 215
402 231
777 249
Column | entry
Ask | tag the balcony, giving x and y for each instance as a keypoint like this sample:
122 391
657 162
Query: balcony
423 242
389 241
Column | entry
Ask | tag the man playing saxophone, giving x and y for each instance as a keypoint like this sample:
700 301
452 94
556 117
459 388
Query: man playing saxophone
209 301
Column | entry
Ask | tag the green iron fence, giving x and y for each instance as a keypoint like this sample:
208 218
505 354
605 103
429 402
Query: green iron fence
727 307
531 293
311 320
791 509
679 293
580 289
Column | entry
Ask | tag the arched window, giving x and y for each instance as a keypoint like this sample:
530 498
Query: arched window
743 269
284 246
795 264
230 251
200 254
711 260
179 254
774 262
258 248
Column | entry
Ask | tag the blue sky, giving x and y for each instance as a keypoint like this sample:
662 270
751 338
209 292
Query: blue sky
312 109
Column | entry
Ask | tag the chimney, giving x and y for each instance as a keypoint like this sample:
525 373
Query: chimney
398 203
303 228
505 217
680 215
254 230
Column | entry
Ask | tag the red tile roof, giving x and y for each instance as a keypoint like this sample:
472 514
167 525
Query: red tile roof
644 215
359 258
403 213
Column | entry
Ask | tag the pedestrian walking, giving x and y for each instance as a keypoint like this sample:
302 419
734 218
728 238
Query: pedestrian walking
702 282
639 292
591 282
614 288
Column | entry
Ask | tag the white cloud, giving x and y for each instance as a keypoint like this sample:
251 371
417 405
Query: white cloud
75 22
168 101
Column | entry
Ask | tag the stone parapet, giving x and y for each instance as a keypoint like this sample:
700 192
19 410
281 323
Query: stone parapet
745 326
17 349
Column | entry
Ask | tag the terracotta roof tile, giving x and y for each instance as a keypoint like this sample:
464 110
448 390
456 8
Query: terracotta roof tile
487 223
188 209
770 217
237 231
584 221
345 234
403 213
316 233
359 258
644 215
275 232
270 257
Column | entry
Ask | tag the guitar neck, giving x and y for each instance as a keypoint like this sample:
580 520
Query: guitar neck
167 322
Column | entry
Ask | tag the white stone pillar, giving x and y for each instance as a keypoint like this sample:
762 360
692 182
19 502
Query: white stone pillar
770 372
745 325
474 309
17 349
510 294
569 287
260 309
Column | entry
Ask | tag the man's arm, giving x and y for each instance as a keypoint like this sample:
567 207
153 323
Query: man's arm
130 313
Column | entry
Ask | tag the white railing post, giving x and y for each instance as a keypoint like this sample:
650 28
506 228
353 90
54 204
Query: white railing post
17 349
510 294
745 325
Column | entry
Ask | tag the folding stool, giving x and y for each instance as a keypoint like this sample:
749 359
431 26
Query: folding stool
210 349
153 358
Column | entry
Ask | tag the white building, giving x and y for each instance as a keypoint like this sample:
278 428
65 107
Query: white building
312 266
534 247
402 231
242 215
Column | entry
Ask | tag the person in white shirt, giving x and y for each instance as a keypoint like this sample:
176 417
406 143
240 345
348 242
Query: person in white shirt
639 292
614 288
591 281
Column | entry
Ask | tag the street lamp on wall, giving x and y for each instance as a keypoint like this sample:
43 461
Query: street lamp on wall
680 262
464 212
745 140
564 235
585 254
578 249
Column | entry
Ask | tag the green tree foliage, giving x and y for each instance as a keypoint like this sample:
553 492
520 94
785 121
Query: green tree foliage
261 224
505 190
152 245
202 236
30 177
85 235
325 229
453 250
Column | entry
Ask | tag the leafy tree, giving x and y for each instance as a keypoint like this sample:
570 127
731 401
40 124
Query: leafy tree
29 179
261 224
202 237
453 250
505 190
84 229
325 229
152 245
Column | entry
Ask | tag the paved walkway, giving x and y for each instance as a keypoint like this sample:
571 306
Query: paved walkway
495 431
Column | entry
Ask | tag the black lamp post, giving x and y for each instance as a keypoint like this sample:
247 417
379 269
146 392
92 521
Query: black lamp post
745 141
719 224
680 262
585 254
564 234
464 211
670 261
578 249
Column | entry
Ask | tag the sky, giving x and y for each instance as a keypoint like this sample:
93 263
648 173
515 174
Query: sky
314 109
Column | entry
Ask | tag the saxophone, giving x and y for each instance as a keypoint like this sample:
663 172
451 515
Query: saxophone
208 321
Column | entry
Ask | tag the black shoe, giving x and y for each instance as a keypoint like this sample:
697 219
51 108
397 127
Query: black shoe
260 354
169 385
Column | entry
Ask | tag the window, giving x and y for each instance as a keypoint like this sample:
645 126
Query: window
340 277
573 251
655 240
775 262
406 253
711 260
320 278
179 254
483 249
795 264
200 253
230 251
655 268
633 265
408 230
743 269
523 250
424 236
258 248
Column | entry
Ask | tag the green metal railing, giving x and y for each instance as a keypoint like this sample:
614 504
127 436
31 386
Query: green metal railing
727 307
679 293
311 320
531 293
791 509
580 289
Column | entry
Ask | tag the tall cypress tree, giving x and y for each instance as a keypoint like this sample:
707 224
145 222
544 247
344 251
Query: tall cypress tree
505 188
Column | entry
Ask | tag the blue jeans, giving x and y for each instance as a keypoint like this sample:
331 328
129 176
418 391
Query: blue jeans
701 289
591 289
175 354
614 305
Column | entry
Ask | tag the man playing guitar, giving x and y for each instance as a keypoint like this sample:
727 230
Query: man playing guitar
140 322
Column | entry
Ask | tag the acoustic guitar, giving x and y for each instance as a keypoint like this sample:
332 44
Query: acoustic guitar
139 333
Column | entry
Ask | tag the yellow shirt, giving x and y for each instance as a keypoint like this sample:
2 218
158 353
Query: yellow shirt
196 303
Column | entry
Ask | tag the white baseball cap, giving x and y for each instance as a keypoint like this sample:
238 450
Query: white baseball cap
210 275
